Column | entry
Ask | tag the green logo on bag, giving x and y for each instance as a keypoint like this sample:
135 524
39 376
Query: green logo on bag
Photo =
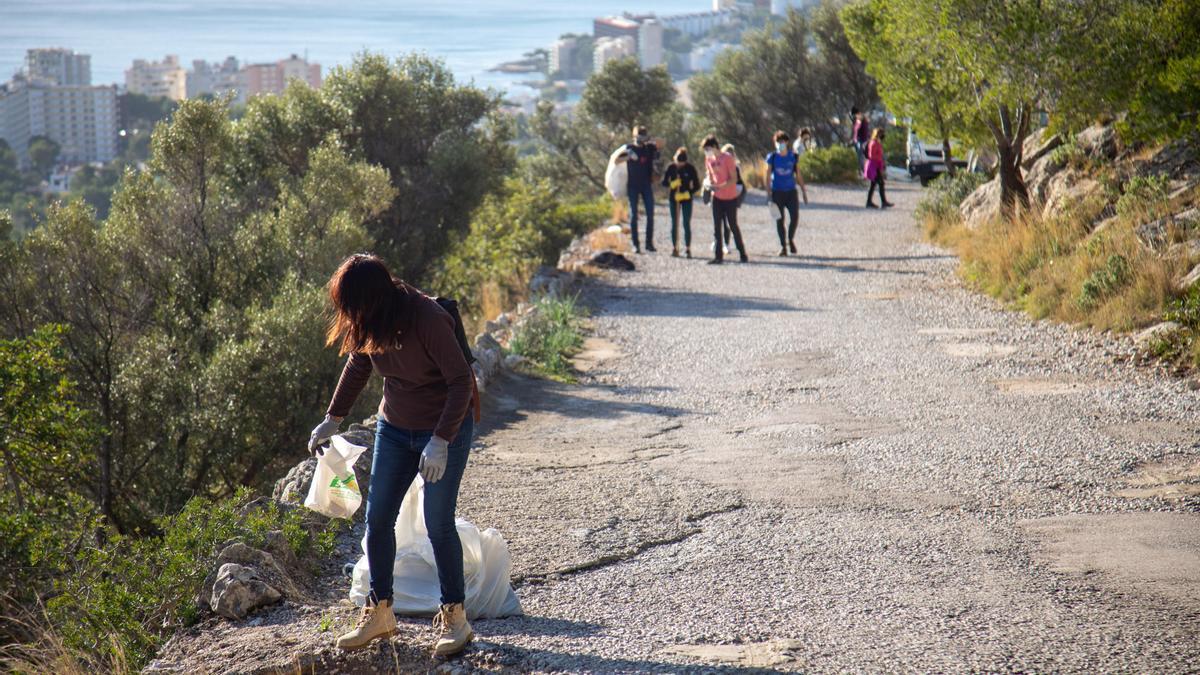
347 482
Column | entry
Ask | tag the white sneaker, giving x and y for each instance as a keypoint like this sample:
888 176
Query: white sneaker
451 620
726 249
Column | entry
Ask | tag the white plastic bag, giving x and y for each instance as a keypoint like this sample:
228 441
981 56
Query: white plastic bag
617 174
487 566
334 491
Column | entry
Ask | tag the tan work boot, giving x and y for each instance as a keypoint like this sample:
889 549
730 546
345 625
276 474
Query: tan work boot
451 620
377 621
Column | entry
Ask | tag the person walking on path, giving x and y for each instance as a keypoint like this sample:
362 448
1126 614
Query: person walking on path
721 171
875 169
389 327
641 161
683 182
861 135
781 191
804 141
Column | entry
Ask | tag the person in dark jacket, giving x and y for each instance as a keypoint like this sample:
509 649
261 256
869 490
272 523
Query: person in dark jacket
682 182
425 427
861 134
641 164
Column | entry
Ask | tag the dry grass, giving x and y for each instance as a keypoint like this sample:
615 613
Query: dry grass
47 651
1058 268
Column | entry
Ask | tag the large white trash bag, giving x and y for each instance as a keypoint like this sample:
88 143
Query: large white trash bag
617 174
486 567
334 491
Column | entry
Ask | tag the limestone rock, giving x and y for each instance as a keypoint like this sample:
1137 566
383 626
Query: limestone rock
293 487
238 591
278 573
1155 233
1189 280
1037 145
1068 189
1037 178
1098 141
1156 332
982 205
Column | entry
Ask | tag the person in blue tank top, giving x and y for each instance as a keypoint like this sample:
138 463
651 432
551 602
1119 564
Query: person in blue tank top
782 192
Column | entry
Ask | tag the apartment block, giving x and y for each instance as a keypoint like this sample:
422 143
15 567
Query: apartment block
272 78
650 43
81 119
611 49
58 66
562 52
164 78
213 79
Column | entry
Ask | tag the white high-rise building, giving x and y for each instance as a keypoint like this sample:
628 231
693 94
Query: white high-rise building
780 7
719 5
166 78
650 43
58 66
81 119
216 79
611 49
562 54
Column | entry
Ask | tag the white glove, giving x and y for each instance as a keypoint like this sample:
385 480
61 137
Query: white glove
322 433
433 459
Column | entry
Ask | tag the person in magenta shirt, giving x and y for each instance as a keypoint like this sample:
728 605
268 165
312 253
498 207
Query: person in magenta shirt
876 169
722 173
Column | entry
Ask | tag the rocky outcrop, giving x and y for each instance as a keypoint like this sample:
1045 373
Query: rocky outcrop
238 591
1067 189
1098 141
1038 145
982 205
244 578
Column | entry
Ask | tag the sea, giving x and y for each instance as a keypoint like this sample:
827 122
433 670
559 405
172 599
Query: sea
471 37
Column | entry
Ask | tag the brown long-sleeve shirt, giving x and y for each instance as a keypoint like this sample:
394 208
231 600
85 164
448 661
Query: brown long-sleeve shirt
427 383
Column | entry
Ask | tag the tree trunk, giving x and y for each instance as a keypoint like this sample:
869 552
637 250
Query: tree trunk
947 158
1013 194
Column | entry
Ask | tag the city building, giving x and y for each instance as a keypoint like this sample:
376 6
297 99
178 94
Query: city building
780 7
702 58
650 43
562 54
58 66
697 24
81 119
272 78
719 5
615 27
213 79
611 49
164 78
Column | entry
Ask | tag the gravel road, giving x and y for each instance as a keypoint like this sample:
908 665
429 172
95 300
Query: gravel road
836 461
842 460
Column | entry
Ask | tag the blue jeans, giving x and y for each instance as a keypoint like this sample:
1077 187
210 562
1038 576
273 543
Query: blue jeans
397 454
646 194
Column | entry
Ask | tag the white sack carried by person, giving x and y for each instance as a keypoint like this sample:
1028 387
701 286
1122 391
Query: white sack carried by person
334 490
617 174
486 567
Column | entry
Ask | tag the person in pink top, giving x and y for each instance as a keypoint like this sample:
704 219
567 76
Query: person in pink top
875 169
721 170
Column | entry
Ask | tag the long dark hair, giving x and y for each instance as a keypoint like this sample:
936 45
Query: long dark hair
367 306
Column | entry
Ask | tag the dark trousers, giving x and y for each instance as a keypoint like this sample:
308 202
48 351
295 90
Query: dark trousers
789 201
646 194
871 191
681 211
725 214
397 454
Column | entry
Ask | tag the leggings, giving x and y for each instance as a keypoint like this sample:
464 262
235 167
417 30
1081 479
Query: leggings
871 192
725 214
789 201
681 210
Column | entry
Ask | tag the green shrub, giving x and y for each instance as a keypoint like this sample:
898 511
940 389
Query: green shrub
836 164
551 335
130 593
513 233
1185 310
1144 196
1102 282
942 198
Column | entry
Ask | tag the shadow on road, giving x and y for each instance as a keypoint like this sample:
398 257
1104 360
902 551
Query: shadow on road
664 302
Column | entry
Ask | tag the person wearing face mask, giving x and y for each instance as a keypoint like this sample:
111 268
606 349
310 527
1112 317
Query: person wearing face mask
642 158
683 182
721 173
781 190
